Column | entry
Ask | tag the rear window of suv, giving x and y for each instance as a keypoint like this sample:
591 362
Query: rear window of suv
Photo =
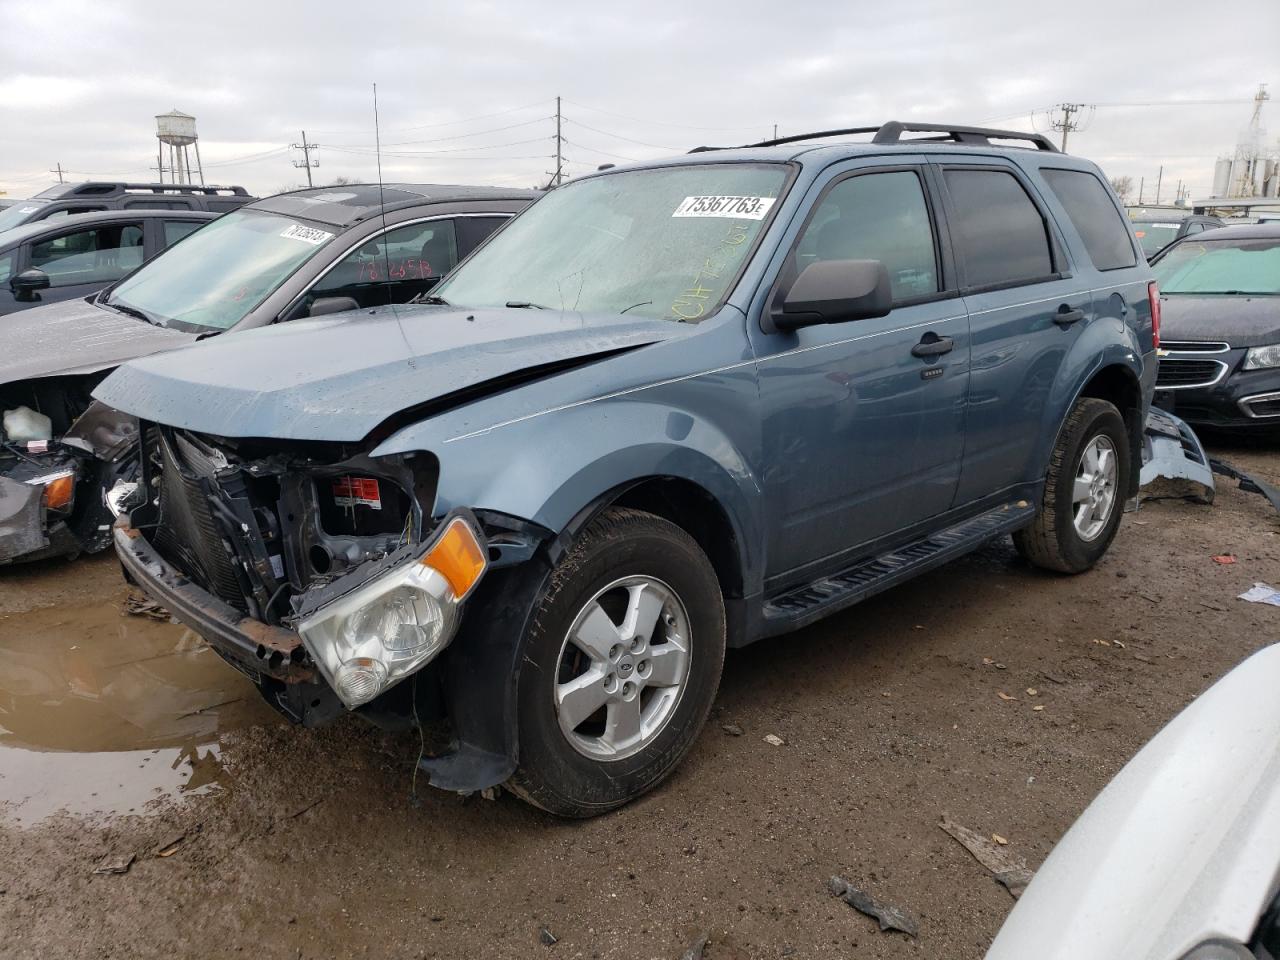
1104 231
1000 233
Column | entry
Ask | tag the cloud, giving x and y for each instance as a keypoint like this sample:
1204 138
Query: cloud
464 88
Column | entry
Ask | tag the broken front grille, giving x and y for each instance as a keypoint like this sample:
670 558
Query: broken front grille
187 535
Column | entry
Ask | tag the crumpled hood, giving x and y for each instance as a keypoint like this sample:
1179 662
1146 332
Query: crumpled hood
1239 321
76 337
1181 847
339 376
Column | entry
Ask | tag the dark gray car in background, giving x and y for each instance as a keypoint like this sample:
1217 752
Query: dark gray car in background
280 258
1220 347
70 257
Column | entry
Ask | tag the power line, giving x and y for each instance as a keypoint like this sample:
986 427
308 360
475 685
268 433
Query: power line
618 136
366 151
452 123
460 136
616 156
664 123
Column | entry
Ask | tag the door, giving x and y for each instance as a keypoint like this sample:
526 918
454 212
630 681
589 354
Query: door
1025 311
862 437
81 261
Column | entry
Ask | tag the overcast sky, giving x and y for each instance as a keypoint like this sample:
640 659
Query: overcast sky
466 90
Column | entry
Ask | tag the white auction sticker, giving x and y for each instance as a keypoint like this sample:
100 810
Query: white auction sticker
306 234
739 208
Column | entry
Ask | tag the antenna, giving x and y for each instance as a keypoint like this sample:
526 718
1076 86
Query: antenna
382 204
386 247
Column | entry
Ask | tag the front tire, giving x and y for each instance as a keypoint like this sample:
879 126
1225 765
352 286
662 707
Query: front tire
620 665
1083 493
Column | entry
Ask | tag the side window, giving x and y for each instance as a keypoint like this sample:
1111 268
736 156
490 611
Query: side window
6 266
473 231
393 267
1194 228
876 216
96 255
999 233
1104 231
175 230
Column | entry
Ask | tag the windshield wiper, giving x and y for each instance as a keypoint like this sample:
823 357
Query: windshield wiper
525 305
130 311
430 298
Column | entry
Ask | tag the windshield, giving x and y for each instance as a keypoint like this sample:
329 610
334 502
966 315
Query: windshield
1152 237
17 214
1222 267
665 242
217 275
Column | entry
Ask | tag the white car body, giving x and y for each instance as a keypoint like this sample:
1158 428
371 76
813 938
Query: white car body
1181 848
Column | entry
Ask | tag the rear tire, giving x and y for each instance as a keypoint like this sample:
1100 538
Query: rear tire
1084 491
620 665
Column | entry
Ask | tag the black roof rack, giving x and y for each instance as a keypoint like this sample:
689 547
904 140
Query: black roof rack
892 132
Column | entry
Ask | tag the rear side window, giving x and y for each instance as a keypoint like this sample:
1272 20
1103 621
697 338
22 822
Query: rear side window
1104 232
175 230
999 233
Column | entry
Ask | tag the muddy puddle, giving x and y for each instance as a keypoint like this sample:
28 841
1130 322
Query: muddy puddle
102 712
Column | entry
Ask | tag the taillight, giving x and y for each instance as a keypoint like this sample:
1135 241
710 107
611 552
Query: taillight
1153 297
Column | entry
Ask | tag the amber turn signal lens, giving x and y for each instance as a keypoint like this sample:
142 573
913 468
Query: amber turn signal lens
458 556
59 491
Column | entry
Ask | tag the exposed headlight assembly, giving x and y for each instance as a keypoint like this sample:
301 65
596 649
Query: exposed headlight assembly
1260 358
387 628
59 490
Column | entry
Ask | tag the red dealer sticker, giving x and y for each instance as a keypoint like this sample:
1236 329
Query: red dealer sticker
357 492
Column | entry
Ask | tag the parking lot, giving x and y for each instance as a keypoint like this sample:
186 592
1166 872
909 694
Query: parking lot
124 738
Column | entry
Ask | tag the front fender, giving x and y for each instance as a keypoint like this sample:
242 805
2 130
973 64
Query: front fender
547 469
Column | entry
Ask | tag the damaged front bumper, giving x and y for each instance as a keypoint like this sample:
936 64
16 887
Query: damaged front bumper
272 657
356 636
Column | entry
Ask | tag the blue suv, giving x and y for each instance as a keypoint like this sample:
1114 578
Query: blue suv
669 409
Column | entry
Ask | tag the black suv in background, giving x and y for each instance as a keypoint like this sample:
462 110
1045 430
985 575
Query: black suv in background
71 257
93 196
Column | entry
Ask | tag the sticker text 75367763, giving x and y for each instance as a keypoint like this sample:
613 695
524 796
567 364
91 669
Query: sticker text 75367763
739 208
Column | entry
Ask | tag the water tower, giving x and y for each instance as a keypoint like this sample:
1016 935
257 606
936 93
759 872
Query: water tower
178 131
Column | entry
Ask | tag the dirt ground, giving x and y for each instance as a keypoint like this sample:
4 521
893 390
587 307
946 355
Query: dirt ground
122 737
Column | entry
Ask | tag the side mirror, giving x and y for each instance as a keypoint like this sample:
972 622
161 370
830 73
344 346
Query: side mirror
25 286
833 291
322 305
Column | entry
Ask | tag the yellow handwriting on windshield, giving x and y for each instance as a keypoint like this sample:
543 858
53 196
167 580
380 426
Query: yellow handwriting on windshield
709 280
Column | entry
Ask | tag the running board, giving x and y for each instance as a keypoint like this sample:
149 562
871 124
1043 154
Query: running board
803 605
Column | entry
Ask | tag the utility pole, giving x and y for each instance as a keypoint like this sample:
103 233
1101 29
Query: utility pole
1067 124
306 160
775 131
59 171
1159 177
558 177
1142 182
